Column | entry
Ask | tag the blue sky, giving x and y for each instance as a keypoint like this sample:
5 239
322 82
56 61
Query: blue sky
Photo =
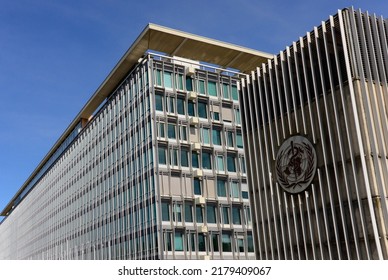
54 54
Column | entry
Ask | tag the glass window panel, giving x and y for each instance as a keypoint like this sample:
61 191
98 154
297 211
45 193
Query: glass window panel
167 77
162 155
158 102
201 242
158 77
165 211
216 137
250 243
240 244
216 116
181 106
225 90
178 241
199 215
180 81
202 110
244 194
212 88
197 187
205 135
178 213
236 215
184 158
239 140
206 161
168 241
234 92
161 130
220 163
172 104
225 215
230 138
183 132
201 86
237 117
211 213
221 188
191 109
226 243
171 131
188 212
195 160
215 243
231 161
189 83
234 189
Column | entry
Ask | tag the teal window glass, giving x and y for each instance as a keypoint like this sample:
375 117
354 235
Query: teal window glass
162 155
212 88
225 91
165 211
198 213
231 162
221 188
197 187
216 116
234 92
189 83
161 130
180 81
158 102
239 140
201 242
234 189
181 106
215 243
250 243
220 163
188 212
237 117
211 214
206 161
158 77
195 160
236 215
191 109
171 131
183 132
240 244
244 194
205 135
177 213
168 241
202 110
167 78
172 104
184 158
178 241
201 86
216 137
225 215
226 243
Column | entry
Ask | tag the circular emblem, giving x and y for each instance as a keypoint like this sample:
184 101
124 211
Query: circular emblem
296 163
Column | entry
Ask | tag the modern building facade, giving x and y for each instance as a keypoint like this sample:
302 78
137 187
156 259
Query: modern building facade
315 126
152 167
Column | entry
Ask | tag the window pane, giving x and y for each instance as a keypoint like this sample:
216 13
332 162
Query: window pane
194 160
189 83
240 245
184 158
202 110
161 130
211 214
158 102
234 92
225 90
216 116
171 131
239 140
197 187
181 106
205 135
198 212
244 194
231 163
216 137
177 213
221 190
188 213
226 243
172 104
225 215
158 77
212 88
162 155
201 86
230 139
180 81
167 77
191 109
250 243
236 216
215 243
183 132
165 211
201 242
237 117
220 163
234 189
206 161
178 242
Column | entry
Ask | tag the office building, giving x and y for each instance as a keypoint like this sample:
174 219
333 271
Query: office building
315 129
151 168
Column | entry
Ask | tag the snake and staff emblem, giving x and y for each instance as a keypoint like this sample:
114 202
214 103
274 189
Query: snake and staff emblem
296 163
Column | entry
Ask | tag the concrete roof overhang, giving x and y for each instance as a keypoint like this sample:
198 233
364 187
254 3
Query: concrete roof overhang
173 43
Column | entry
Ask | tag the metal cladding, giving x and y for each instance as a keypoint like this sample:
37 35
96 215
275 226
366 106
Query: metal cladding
329 88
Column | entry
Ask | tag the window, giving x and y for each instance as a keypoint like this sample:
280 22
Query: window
212 88
225 215
240 244
198 213
225 90
191 109
181 106
171 131
220 163
159 102
226 242
201 86
202 110
216 116
216 137
195 160
236 215
215 242
230 136
221 188
231 161
237 117
184 158
211 214
171 106
178 241
183 132
206 160
201 242
162 155
244 194
177 213
205 135
168 241
234 92
197 187
189 83
161 130
188 212
165 211
180 81
158 77
167 78
234 190
250 243
239 140
242 164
